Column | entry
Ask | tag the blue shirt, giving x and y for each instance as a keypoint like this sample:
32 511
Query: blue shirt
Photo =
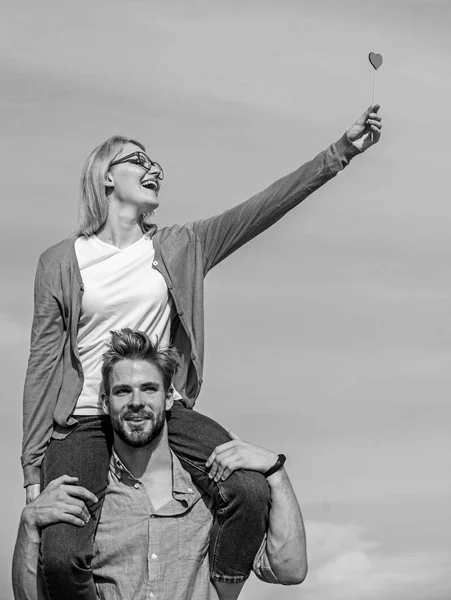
147 554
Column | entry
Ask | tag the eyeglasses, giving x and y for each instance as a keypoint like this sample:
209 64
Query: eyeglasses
141 159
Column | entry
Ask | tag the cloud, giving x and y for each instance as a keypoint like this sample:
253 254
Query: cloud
346 564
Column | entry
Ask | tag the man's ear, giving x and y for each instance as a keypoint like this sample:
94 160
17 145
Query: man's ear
169 398
105 404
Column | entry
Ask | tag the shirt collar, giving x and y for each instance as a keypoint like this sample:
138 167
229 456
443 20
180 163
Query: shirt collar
181 479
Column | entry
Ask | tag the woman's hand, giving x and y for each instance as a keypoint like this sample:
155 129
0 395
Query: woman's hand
32 492
238 454
366 131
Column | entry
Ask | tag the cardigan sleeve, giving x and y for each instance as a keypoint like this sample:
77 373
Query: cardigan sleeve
223 234
39 399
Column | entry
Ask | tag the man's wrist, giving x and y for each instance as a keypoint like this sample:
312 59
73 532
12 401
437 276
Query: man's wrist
278 464
270 461
275 480
28 522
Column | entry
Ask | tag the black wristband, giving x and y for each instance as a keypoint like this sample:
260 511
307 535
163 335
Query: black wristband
279 464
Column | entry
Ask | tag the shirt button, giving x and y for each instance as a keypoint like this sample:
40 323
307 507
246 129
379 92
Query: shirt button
155 263
154 557
180 312
136 486
190 490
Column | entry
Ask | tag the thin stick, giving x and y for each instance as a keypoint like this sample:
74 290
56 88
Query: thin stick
374 88
372 99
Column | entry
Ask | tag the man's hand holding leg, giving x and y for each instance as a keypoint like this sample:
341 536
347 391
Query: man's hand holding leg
61 501
283 554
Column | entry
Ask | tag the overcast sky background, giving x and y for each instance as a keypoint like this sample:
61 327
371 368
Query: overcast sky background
329 336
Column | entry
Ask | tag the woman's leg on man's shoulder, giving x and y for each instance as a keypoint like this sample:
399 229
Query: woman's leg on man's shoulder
242 501
67 550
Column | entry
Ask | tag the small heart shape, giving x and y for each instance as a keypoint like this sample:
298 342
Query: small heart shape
375 59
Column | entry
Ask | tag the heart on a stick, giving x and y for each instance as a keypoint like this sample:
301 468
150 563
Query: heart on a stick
375 59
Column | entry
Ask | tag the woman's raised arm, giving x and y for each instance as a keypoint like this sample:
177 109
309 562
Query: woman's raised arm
223 234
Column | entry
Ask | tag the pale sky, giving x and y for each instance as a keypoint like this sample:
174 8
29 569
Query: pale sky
329 336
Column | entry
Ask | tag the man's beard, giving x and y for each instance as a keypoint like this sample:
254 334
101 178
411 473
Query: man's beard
142 435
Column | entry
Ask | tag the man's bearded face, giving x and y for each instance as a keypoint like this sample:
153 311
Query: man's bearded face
137 403
138 426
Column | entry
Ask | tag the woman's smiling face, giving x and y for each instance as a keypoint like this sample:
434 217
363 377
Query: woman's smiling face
130 182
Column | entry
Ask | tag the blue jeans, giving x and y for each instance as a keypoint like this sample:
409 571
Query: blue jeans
242 502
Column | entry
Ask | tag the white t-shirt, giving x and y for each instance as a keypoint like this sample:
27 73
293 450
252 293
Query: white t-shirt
121 289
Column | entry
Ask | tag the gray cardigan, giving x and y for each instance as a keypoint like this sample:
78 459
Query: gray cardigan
183 255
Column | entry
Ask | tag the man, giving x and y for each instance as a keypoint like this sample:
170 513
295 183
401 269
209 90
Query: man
153 537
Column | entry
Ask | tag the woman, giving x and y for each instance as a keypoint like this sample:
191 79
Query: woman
120 271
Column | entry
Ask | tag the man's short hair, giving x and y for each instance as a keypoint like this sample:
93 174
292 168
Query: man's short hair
127 344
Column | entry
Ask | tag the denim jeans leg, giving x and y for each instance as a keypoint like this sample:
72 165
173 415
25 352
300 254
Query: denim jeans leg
67 550
242 501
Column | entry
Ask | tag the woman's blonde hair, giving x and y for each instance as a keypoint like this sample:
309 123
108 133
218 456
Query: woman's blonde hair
93 204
